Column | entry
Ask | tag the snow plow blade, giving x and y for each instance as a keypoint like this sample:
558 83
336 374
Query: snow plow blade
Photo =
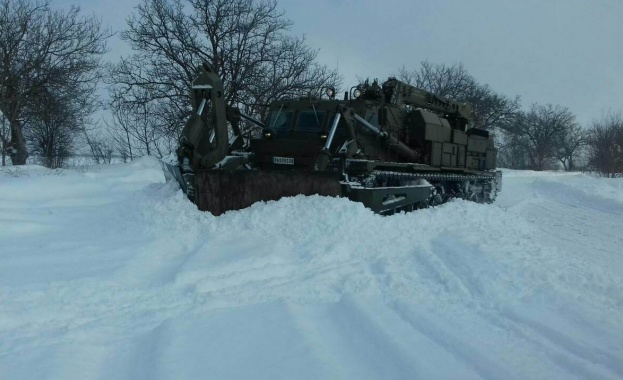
186 181
219 191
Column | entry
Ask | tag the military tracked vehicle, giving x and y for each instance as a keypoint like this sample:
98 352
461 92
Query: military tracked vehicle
391 146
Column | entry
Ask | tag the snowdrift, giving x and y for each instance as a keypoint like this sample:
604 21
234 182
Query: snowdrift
110 273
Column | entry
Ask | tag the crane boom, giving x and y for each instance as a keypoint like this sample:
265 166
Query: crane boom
400 93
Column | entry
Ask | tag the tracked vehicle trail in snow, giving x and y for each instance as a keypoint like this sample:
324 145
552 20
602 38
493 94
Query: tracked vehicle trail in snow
108 272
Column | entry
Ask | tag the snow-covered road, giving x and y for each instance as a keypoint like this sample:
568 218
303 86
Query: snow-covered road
109 273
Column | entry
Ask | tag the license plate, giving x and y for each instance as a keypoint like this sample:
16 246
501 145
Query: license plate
283 160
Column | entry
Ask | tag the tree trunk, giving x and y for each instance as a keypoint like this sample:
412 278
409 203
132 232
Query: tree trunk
540 164
3 137
127 136
564 164
18 150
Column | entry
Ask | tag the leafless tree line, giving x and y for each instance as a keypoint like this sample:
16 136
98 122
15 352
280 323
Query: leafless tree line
548 137
541 138
50 66
605 144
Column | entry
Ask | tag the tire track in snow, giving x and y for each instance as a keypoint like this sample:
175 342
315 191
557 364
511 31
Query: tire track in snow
85 311
363 339
443 267
266 282
569 352
579 235
470 355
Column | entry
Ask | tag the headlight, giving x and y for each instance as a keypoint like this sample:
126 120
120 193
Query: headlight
330 91
323 136
356 93
267 134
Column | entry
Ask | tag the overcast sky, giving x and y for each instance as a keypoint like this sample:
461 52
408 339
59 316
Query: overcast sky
566 52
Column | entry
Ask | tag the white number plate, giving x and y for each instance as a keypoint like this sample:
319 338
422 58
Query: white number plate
283 160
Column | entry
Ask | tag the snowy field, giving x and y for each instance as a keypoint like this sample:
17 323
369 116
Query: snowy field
109 273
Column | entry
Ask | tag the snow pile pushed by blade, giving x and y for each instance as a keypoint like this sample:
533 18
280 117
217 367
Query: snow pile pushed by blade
112 273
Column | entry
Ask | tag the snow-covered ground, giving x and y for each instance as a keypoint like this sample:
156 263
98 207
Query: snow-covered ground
109 273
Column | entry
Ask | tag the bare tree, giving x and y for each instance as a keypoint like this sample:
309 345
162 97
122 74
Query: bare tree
40 47
4 138
452 81
134 131
54 118
490 109
101 146
542 129
570 145
50 132
605 145
245 41
513 152
120 134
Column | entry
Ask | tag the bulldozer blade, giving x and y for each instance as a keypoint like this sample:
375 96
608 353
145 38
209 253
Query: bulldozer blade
186 181
219 191
172 172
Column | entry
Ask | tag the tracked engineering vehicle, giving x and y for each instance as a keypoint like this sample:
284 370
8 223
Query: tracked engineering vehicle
391 146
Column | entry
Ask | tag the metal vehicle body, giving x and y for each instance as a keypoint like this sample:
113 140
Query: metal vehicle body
391 146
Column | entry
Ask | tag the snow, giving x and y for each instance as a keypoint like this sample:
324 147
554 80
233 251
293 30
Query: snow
110 273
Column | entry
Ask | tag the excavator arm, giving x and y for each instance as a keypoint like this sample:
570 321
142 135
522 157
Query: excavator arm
204 140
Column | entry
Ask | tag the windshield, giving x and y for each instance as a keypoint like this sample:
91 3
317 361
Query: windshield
310 121
280 120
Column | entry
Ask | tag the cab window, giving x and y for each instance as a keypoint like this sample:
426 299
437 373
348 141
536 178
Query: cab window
280 120
310 121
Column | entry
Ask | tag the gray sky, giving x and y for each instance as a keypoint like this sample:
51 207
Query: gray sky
566 52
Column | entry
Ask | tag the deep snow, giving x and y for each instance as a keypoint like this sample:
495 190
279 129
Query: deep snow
110 273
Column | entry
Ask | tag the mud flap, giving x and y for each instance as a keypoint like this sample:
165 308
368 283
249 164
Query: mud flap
219 191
